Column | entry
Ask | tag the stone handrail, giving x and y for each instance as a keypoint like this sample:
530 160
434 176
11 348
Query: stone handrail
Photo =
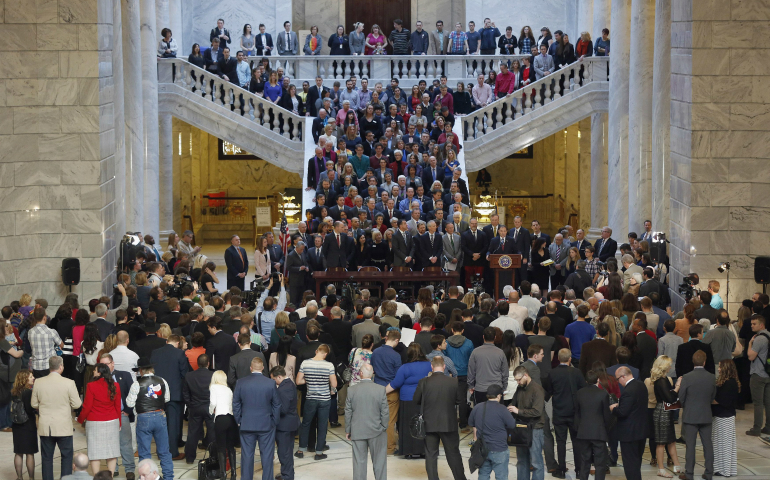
547 90
261 111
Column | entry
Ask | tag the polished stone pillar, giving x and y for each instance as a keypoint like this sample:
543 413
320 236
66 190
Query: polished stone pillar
617 163
640 113
149 42
166 164
661 119
585 19
162 19
121 212
134 115
601 12
584 173
599 205
175 24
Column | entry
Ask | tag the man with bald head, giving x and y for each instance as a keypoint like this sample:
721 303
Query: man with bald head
79 468
125 359
337 248
366 423
631 412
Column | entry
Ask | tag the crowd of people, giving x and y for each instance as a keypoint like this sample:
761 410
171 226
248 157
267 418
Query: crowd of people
586 359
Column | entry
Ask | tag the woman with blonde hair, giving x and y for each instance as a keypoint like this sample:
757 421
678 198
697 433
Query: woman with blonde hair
664 435
25 307
164 331
24 434
723 419
110 343
225 429
573 256
584 46
279 330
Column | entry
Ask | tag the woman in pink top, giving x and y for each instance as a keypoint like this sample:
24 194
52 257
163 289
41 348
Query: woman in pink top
376 42
81 320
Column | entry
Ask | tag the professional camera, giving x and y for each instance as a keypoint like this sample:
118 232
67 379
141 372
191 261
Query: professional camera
687 287
477 284
439 296
180 281
602 268
349 289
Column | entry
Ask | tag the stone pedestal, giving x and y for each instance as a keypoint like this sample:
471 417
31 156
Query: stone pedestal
134 116
599 180
584 173
149 54
640 113
166 164
661 121
617 171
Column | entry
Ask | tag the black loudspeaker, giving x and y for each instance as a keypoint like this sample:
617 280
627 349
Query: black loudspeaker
70 271
762 270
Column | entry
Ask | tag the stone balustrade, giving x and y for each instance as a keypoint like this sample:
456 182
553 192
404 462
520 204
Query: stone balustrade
262 112
523 101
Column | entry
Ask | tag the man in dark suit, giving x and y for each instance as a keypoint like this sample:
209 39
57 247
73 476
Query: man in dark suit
319 123
228 67
339 208
172 318
606 246
195 391
431 173
523 242
289 422
706 310
150 342
561 311
447 305
475 245
314 93
316 166
592 420
220 347
536 233
336 248
631 412
697 390
499 245
315 256
237 261
462 187
562 385
340 330
438 397
263 41
240 363
648 346
686 350
172 365
212 56
221 33
403 246
430 246
299 272
257 409
650 285
598 349
580 242
124 380
104 327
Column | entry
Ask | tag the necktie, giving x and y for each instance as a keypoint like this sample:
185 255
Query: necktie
318 252
494 230
288 41
502 243
515 234
602 246
558 252
452 241
474 236
338 240
434 174
431 239
240 255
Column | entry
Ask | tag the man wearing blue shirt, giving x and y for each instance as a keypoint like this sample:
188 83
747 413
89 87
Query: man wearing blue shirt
488 35
244 71
386 361
473 38
579 332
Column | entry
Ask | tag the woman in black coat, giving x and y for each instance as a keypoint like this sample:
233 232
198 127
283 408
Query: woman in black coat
363 254
291 101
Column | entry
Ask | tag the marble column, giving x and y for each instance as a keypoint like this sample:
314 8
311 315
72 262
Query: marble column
599 205
175 23
121 212
166 163
617 163
640 113
585 18
661 120
134 115
149 52
584 173
601 11
162 19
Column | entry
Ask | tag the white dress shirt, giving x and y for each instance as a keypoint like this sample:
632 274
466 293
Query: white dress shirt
220 400
504 322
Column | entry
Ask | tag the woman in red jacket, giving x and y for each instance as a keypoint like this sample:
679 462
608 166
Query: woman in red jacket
101 411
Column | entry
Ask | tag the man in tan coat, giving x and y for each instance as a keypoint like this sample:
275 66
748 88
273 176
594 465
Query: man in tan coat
55 397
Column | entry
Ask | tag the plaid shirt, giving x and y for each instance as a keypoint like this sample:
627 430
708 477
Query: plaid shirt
592 267
44 342
457 41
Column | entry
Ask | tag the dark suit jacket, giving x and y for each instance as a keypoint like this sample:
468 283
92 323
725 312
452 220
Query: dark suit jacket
438 396
341 332
294 261
562 384
650 286
648 347
172 365
222 42
474 333
314 94
285 102
240 365
594 350
610 247
212 59
425 250
308 352
562 311
125 381
508 248
196 388
592 414
317 262
632 411
220 348
104 327
287 393
582 247
542 235
471 246
148 344
276 254
558 325
427 176
447 306
256 404
318 128
229 67
160 307
337 255
172 319
234 263
402 248
707 311
258 43
523 241
684 355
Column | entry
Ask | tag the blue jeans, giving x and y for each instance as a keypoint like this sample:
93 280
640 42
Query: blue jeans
531 456
153 425
496 462
47 447
314 408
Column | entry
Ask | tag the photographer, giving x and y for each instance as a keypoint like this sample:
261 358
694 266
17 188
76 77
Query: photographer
268 308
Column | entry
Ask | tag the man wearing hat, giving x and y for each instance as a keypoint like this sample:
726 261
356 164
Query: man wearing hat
492 420
148 396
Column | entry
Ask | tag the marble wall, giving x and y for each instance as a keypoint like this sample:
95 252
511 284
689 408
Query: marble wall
554 14
57 147
719 142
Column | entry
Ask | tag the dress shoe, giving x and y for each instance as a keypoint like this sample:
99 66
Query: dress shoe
299 454
320 456
178 457
613 462
682 476
559 474
680 440
765 440
766 430
182 443
201 446
130 476
279 477
753 433
335 424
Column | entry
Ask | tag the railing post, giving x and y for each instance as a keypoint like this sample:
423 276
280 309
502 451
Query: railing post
455 66
380 67
308 69
165 71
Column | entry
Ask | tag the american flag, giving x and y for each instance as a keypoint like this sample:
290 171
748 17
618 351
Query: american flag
284 238
284 226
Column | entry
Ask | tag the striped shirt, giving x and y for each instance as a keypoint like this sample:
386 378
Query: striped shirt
317 374
400 41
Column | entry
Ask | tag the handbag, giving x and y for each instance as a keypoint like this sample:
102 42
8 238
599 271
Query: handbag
668 407
479 450
208 468
738 350
417 424
80 366
521 434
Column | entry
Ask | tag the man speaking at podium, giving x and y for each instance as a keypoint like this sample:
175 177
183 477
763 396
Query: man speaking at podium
502 244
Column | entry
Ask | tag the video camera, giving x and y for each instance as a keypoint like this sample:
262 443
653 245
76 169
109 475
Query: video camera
180 281
687 287
256 288
477 284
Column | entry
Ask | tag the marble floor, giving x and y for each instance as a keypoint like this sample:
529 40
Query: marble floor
753 459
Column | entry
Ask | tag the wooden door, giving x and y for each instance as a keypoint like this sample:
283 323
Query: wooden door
377 11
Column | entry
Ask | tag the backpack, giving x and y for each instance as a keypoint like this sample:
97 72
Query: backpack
767 357
18 413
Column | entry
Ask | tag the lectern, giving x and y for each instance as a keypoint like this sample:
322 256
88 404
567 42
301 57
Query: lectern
500 263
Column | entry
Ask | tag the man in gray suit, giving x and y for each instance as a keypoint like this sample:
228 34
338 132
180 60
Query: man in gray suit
697 390
453 252
240 363
543 63
559 251
286 43
459 224
367 326
631 269
366 423
413 224
403 246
